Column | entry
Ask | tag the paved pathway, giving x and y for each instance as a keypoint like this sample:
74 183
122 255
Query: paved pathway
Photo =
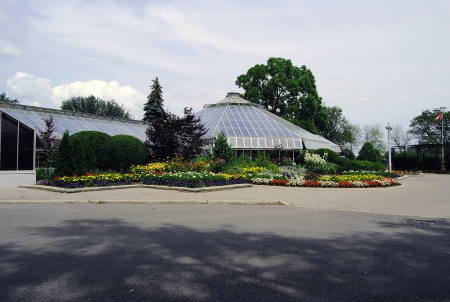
426 195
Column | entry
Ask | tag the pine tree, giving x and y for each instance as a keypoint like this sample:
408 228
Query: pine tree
154 107
222 150
65 163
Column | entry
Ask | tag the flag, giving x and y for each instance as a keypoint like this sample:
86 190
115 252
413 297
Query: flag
440 116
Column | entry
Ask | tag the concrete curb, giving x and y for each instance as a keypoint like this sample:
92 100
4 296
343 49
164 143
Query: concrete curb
231 202
90 189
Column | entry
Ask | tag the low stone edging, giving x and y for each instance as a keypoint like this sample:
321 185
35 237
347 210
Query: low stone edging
89 189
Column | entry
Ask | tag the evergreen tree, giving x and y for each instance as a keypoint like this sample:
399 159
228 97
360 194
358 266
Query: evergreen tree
154 107
64 162
368 152
222 149
79 157
91 159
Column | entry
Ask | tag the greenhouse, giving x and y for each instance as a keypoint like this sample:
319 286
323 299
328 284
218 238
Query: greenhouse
19 140
249 127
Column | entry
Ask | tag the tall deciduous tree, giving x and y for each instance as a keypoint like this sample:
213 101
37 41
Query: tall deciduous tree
94 105
425 130
285 90
339 129
400 137
175 135
153 109
5 99
375 135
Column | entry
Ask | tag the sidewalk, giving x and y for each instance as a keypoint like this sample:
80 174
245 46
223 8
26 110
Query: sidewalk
427 195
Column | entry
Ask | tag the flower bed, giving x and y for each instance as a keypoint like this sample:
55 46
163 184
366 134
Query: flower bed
193 179
92 180
337 181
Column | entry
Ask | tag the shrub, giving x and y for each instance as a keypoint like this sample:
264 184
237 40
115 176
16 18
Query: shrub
261 160
91 160
127 151
332 156
102 145
405 154
300 159
79 157
368 152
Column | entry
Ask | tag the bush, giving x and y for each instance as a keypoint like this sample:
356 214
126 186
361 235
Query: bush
332 156
405 154
127 151
102 145
79 157
357 165
44 173
300 159
261 160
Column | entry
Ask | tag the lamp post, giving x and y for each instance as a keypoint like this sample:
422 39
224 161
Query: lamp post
389 128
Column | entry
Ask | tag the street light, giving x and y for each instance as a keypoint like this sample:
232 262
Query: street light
389 128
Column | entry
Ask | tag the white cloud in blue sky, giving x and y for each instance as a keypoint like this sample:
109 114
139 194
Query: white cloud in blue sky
380 61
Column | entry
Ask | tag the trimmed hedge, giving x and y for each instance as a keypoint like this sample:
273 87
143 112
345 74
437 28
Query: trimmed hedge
102 145
127 151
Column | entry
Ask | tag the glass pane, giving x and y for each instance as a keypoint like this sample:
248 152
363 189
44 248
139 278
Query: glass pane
298 144
26 147
248 142
269 143
255 144
232 141
240 142
262 142
8 144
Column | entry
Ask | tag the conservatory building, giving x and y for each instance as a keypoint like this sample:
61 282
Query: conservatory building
20 144
249 127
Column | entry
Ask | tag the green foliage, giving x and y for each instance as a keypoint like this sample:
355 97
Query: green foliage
375 135
338 129
300 159
262 160
5 99
348 153
44 173
91 159
285 90
128 151
425 130
405 154
153 109
94 105
64 162
222 148
368 152
358 165
102 145
79 157
331 157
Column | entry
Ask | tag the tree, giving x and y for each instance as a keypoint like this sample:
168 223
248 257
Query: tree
375 135
175 135
5 99
222 149
400 137
47 135
154 107
425 130
368 152
338 129
94 105
285 90
64 162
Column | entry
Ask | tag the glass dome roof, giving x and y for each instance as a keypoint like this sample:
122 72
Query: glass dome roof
249 126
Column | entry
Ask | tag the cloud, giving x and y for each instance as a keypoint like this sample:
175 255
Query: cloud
37 91
9 50
30 89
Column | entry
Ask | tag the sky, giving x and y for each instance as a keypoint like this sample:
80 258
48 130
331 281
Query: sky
380 61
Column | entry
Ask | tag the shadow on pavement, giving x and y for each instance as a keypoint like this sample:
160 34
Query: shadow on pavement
104 260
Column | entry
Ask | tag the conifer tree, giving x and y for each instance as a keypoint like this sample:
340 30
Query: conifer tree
65 163
222 149
153 109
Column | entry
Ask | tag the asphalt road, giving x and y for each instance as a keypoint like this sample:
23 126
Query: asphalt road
153 252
